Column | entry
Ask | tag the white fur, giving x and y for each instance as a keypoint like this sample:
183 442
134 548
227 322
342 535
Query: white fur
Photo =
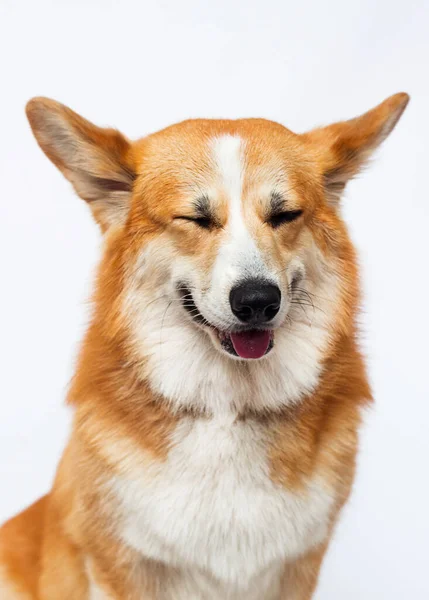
184 366
213 510
194 584
96 593
239 256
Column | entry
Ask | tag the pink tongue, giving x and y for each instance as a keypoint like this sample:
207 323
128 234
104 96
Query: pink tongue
251 344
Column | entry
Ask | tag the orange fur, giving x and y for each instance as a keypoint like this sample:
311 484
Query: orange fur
54 548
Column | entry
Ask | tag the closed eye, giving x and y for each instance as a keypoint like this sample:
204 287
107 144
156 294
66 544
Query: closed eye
284 217
203 222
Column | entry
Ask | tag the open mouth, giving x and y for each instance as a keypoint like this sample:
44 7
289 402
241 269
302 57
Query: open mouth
251 343
243 343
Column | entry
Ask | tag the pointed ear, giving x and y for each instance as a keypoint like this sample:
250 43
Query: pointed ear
343 148
98 162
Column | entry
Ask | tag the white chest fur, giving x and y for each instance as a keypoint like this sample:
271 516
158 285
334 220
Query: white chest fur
212 505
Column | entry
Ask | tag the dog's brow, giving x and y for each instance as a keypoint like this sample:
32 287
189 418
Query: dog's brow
277 202
202 206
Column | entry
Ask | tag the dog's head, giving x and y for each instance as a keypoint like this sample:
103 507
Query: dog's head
224 231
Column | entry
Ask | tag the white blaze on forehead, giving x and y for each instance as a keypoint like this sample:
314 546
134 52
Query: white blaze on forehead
229 160
239 256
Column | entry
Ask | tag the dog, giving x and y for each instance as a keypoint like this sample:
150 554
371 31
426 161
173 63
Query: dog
219 388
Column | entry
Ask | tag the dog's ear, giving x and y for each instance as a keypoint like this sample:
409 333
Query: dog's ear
98 162
342 149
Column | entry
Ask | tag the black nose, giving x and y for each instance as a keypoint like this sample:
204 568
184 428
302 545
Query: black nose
255 301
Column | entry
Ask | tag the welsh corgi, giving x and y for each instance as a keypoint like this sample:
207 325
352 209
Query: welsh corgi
219 388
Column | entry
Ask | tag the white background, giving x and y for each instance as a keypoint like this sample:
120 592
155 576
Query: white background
142 65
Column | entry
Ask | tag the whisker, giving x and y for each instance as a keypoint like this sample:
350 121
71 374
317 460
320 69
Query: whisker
301 290
162 325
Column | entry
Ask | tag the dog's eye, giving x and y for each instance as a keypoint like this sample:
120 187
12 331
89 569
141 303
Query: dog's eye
284 217
203 222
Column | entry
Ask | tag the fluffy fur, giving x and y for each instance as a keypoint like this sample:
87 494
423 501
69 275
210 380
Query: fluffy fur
192 473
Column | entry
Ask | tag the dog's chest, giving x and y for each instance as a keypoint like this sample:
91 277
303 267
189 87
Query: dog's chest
212 504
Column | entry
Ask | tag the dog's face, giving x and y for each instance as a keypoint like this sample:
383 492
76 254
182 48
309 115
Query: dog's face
231 204
227 227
